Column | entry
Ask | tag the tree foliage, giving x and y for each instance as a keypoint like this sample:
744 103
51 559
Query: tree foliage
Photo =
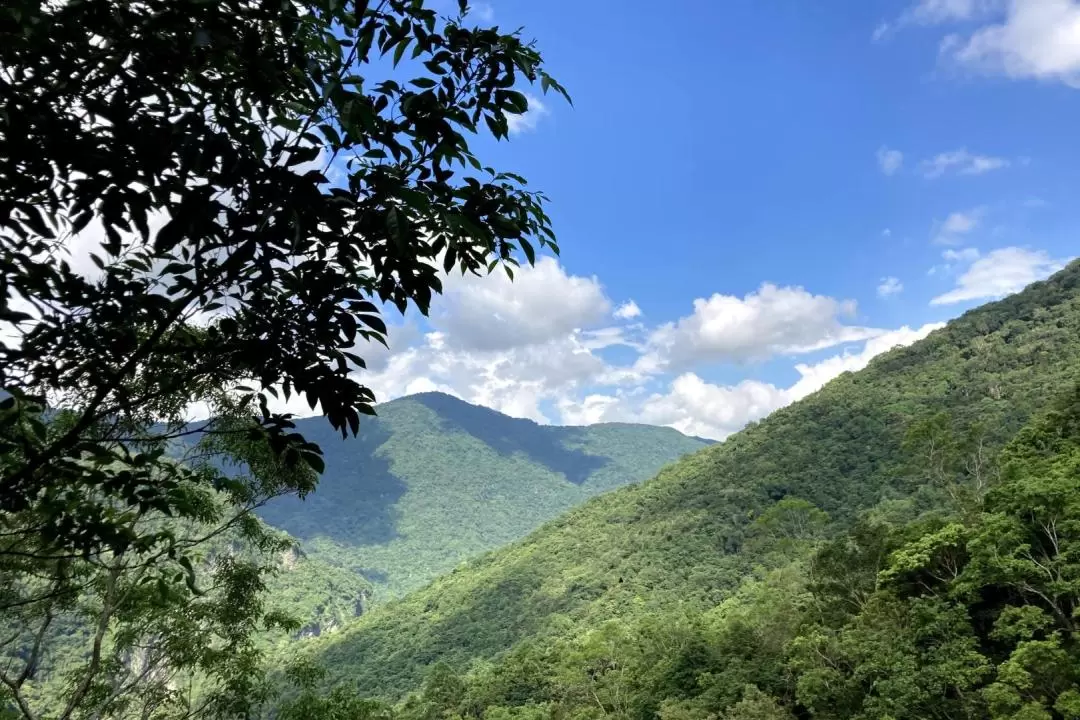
197 137
203 204
163 623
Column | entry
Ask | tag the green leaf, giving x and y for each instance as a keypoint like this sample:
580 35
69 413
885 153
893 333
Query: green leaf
530 254
315 462
516 102
400 50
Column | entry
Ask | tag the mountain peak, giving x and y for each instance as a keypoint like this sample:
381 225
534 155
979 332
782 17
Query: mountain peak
432 466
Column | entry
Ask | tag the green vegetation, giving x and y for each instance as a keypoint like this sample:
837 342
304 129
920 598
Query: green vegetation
320 597
166 644
707 541
187 146
965 609
434 481
902 544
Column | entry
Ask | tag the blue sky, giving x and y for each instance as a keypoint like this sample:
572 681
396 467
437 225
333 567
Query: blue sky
783 188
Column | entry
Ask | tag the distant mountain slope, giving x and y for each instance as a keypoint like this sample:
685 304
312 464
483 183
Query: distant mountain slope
681 539
434 480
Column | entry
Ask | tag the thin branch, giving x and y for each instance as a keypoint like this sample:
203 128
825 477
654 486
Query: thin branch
109 605
16 692
35 651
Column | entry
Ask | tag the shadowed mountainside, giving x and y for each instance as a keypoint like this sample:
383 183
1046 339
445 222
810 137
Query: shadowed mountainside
433 481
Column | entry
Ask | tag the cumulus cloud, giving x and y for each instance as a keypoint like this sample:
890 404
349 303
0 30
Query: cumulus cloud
690 405
960 255
814 377
889 161
527 121
772 320
543 302
1000 273
933 12
628 310
881 31
534 349
508 345
952 230
482 11
697 407
1038 39
889 286
960 162
513 381
559 363
954 258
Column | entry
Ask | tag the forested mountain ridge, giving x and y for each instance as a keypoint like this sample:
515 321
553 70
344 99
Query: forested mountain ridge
688 539
433 481
430 481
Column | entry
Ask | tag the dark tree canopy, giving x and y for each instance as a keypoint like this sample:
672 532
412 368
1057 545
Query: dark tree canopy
246 182
197 138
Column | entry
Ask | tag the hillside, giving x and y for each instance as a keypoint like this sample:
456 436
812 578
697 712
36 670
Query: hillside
687 540
433 481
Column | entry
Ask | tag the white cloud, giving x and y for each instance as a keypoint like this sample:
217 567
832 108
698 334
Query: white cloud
958 224
628 310
933 12
508 345
690 405
528 121
697 407
961 255
553 324
554 364
813 377
564 368
1001 272
513 381
1037 39
590 410
889 161
954 258
772 320
482 11
961 162
889 286
543 302
936 12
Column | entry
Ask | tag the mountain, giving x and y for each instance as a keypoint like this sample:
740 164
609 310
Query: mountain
709 531
433 481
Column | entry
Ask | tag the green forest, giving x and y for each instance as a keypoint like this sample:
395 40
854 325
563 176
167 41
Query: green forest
958 601
776 560
206 513
434 481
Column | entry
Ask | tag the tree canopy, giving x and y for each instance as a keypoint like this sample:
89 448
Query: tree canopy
203 206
